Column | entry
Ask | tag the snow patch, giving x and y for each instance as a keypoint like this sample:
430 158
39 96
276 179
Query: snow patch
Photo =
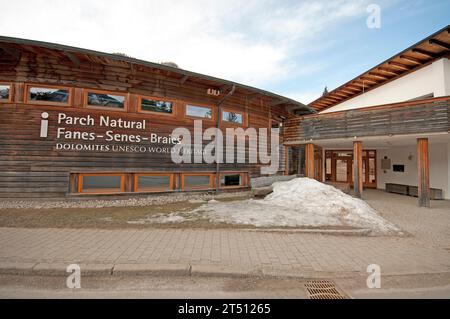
300 202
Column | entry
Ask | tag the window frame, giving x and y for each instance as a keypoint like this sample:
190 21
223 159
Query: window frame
153 189
243 177
28 86
232 110
114 191
204 105
10 94
99 107
155 98
211 181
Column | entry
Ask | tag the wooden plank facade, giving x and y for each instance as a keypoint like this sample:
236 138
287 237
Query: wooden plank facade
425 116
33 166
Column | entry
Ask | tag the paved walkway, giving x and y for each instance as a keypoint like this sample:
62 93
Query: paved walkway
427 250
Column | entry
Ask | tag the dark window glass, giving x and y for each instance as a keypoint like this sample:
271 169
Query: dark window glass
156 106
108 100
232 117
4 92
98 183
398 168
153 182
48 95
231 180
199 111
197 181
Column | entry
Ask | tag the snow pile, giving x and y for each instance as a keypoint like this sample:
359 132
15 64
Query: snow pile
301 202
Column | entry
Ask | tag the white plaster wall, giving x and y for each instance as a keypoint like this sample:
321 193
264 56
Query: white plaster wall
439 155
434 78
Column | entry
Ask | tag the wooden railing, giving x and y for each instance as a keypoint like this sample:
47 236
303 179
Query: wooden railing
426 116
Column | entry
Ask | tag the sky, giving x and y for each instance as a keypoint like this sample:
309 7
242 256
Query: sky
293 48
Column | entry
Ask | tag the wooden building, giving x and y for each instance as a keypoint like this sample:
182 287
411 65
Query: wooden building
76 122
388 128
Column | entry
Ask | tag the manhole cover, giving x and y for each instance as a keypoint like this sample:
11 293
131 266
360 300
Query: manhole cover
323 289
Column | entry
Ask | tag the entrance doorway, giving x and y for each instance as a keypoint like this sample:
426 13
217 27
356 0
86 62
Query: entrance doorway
339 167
296 161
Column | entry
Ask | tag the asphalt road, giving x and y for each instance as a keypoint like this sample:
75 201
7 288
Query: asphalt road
13 286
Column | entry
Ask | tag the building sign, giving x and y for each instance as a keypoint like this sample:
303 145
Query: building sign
69 139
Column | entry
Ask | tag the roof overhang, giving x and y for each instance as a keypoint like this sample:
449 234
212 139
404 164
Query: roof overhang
14 46
420 54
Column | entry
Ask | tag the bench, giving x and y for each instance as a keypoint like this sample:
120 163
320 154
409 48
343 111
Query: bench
410 190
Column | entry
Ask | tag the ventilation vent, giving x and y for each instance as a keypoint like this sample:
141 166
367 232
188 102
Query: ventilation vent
323 289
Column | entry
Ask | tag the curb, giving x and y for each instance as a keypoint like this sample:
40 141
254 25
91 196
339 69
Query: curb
182 270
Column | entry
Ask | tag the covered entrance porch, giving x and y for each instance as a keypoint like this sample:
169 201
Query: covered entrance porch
415 165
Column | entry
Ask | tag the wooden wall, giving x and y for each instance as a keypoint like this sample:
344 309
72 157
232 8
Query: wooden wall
32 167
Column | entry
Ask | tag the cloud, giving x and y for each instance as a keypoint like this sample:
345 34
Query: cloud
254 42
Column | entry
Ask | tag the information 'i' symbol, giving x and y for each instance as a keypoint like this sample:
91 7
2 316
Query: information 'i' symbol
44 124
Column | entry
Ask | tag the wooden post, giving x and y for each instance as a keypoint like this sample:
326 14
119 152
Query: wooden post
309 160
357 169
423 166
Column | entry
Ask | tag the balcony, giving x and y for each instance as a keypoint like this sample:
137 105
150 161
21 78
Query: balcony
425 116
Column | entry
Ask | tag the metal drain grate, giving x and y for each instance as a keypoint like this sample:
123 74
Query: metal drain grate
323 289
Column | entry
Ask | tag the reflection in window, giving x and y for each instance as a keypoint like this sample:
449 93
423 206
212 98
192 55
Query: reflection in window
101 183
232 117
154 182
199 111
108 100
197 181
230 180
156 106
48 94
4 92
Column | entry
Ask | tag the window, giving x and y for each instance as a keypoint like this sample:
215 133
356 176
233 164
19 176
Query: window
153 182
197 181
101 183
231 180
5 93
232 117
104 99
158 106
199 111
48 95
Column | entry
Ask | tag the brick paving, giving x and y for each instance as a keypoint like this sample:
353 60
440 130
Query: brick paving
426 250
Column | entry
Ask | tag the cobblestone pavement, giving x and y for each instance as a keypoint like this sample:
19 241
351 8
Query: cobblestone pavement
425 250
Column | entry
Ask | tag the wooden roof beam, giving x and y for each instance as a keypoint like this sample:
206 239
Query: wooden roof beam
366 80
411 59
73 58
387 70
275 103
425 53
11 51
349 90
184 79
253 96
377 75
399 65
440 44
344 95
330 98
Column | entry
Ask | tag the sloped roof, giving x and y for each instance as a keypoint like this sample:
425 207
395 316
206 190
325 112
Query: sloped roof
418 55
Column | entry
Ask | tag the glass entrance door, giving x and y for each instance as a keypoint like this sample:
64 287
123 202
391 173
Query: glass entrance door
339 167
343 170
